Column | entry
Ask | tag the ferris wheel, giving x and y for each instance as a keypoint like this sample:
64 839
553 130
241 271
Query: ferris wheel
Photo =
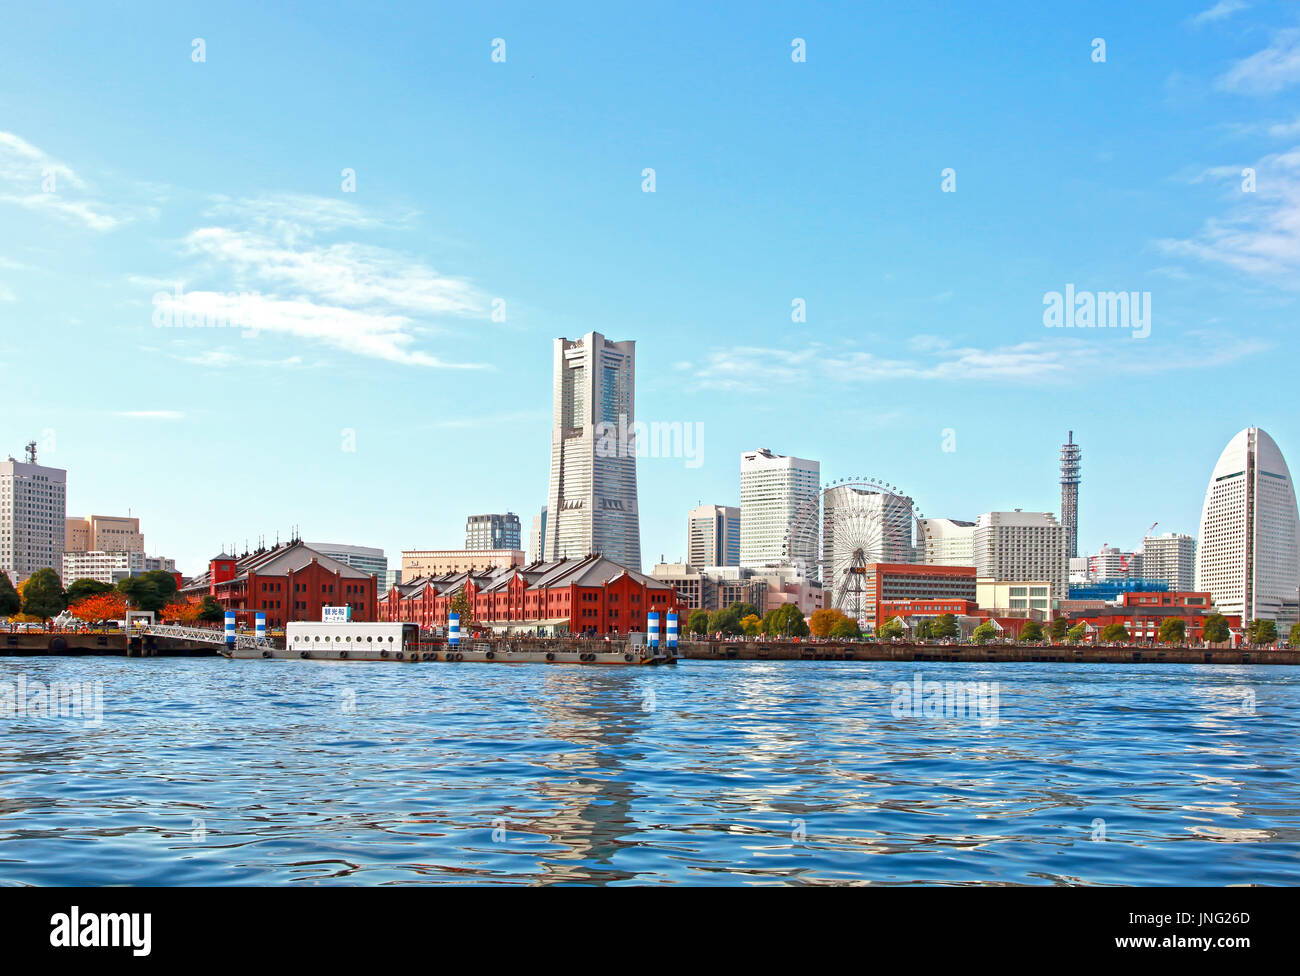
845 527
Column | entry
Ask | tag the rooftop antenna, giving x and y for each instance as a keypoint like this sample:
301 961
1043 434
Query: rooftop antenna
30 449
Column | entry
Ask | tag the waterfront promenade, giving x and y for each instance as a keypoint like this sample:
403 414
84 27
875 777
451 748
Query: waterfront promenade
57 643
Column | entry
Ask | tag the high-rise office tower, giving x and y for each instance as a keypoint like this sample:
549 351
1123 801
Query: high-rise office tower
1022 547
33 516
774 490
1170 558
713 536
1070 461
592 501
1248 553
368 559
946 542
537 537
493 531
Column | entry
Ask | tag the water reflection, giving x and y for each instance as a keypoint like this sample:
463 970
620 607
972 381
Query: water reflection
219 772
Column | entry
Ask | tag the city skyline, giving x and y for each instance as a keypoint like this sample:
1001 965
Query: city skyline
401 322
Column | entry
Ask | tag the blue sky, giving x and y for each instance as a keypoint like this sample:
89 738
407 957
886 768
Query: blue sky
520 182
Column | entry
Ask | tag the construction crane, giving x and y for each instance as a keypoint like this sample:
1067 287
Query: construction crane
1123 562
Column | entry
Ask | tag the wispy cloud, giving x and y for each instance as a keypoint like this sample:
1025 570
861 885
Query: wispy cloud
32 179
279 271
755 368
1274 68
1260 233
1220 11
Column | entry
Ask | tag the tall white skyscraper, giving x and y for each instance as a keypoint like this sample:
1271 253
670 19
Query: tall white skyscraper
773 491
1022 547
537 537
713 536
592 502
1248 554
946 542
1171 558
33 516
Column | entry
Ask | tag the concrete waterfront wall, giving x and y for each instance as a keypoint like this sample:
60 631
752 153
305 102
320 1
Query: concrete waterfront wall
1069 654
121 645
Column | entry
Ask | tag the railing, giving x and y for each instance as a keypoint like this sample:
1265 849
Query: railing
204 634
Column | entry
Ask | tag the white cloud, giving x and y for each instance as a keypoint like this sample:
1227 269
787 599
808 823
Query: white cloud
754 368
1220 11
350 274
31 179
7 294
1260 234
1274 68
151 414
366 333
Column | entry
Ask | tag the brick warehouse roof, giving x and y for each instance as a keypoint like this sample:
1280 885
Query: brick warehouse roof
279 561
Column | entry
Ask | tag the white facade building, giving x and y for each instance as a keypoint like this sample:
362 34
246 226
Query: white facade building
1248 554
713 536
1022 546
1171 558
946 542
111 566
773 491
592 501
33 516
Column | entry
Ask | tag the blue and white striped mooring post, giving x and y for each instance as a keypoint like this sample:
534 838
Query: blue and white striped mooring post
453 630
259 627
652 628
672 630
230 628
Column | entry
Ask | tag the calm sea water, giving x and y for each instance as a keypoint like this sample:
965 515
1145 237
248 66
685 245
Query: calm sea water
262 772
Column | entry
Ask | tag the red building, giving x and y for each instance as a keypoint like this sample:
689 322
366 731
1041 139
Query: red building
288 582
893 583
576 596
889 609
1141 614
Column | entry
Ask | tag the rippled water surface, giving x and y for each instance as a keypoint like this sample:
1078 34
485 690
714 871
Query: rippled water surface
271 772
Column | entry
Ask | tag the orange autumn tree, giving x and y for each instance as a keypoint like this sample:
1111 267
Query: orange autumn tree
184 613
822 621
100 607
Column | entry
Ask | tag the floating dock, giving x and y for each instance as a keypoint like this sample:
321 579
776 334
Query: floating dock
495 651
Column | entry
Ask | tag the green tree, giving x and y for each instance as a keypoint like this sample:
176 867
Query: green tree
149 591
1294 637
945 626
744 610
1060 627
1262 631
726 621
210 610
785 621
985 631
1216 629
1032 631
1172 630
460 604
698 623
10 601
78 590
1114 633
924 629
846 629
43 595
890 629
1075 633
